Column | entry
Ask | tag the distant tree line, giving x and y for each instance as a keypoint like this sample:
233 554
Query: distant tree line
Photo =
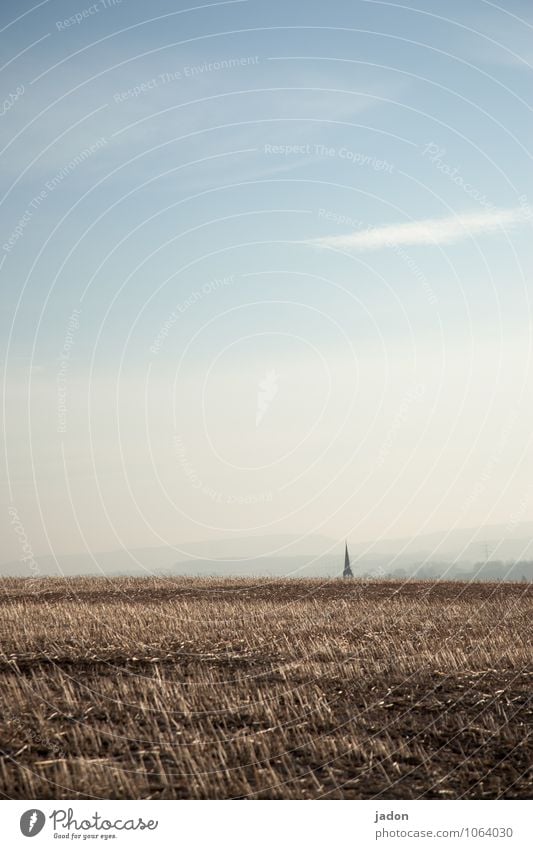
491 570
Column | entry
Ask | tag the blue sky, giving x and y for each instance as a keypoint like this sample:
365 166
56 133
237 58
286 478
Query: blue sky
318 215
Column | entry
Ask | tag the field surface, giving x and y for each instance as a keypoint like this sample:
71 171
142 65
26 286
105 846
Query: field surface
269 689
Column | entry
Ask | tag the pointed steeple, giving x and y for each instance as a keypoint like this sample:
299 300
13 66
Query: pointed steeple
347 568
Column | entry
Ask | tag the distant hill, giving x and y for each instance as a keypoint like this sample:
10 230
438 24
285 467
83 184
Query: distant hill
447 554
504 543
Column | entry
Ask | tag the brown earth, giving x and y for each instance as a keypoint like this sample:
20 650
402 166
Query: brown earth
286 689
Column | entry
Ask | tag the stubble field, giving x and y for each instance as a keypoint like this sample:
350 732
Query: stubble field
264 689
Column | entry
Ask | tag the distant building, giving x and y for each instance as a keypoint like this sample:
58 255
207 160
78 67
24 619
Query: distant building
347 568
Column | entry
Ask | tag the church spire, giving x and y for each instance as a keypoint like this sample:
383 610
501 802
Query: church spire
347 568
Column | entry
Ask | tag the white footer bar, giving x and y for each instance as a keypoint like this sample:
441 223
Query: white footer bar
269 825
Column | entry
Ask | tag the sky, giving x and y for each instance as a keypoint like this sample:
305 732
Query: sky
265 269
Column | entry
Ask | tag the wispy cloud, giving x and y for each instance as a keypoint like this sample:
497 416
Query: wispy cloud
428 231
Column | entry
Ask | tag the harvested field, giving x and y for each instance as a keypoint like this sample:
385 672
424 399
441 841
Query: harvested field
265 689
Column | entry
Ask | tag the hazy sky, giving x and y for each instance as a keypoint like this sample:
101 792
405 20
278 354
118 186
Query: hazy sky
266 268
